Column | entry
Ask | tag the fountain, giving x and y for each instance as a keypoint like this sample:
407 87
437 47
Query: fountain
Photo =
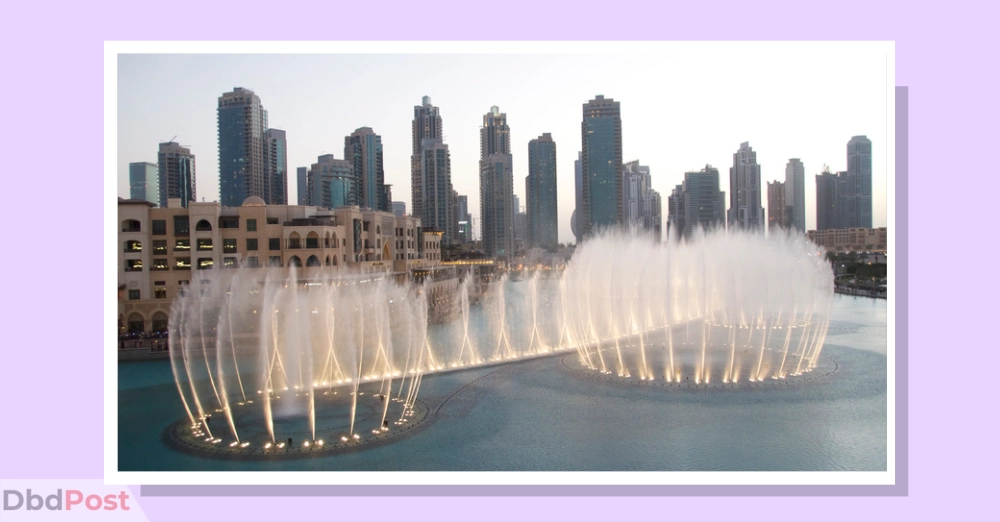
299 366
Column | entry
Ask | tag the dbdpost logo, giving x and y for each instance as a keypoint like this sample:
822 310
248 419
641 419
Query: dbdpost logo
67 499
59 500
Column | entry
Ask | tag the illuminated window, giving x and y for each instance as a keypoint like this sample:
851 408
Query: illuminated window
159 264
160 246
205 263
183 263
182 245
229 246
204 244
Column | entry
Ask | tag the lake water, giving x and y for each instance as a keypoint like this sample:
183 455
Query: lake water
539 415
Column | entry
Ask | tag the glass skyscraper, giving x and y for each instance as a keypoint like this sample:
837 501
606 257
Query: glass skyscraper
856 200
540 185
697 203
245 150
364 149
144 182
601 132
826 200
277 174
176 172
795 195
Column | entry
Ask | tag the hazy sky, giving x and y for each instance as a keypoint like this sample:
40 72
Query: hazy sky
681 108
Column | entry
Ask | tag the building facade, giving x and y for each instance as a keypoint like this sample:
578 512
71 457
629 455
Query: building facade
302 177
331 183
276 189
144 181
364 149
578 209
601 132
496 185
795 195
430 170
643 207
856 239
855 200
164 252
745 210
176 171
826 200
541 192
697 204
777 217
244 148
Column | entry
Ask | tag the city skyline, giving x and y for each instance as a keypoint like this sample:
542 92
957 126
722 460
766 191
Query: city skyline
674 127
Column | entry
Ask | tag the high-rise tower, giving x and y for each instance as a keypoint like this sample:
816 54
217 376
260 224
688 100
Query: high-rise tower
244 148
175 168
364 149
745 210
540 185
496 185
795 195
601 132
430 171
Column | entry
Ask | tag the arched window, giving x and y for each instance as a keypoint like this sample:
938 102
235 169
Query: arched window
131 225
312 240
159 322
312 261
203 226
295 261
136 324
295 240
327 260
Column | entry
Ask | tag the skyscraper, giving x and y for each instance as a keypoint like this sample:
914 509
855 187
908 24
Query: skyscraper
276 178
697 203
399 208
364 149
856 200
244 148
777 219
302 174
795 195
745 210
540 190
144 182
175 168
331 183
434 203
464 220
496 185
826 200
430 171
643 207
578 209
601 132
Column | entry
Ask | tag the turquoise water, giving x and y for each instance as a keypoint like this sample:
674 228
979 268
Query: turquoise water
538 415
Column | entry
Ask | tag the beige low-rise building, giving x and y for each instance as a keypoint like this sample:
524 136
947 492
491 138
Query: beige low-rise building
163 252
851 239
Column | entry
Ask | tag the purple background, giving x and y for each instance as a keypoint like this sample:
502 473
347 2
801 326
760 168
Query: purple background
53 137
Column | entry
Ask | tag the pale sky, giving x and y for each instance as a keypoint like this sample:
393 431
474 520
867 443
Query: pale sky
682 107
